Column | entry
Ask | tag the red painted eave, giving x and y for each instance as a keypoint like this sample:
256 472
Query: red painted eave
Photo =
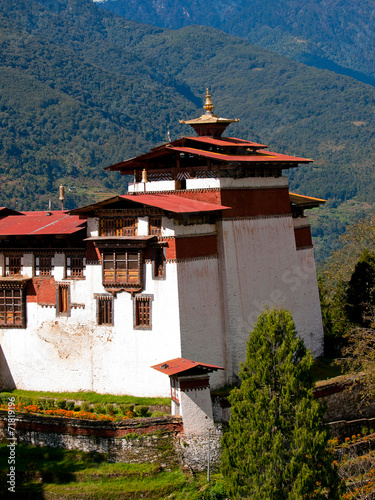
180 365
39 223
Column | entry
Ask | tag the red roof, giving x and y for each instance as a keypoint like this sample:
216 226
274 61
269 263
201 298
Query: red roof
259 156
180 365
39 223
173 203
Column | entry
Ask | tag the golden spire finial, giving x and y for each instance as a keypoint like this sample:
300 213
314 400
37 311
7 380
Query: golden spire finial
208 106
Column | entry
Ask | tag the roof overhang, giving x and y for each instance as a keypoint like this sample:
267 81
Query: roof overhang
168 202
181 367
305 202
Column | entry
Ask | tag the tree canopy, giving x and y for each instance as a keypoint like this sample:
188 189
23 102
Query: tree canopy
276 447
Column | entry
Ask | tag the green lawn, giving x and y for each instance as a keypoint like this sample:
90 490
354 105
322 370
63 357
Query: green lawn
93 397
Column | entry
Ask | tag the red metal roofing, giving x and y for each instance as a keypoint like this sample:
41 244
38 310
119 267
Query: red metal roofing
260 156
180 365
173 203
39 223
227 141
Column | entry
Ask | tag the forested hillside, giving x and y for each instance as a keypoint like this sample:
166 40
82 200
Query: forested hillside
82 88
335 34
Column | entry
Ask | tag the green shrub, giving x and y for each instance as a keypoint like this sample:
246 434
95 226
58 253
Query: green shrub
46 404
26 401
4 397
77 408
61 404
110 408
85 406
99 408
141 411
126 408
70 405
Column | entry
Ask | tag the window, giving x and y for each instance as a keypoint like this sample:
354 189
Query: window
118 226
142 313
44 265
12 308
159 263
13 265
105 310
124 267
154 226
75 266
63 300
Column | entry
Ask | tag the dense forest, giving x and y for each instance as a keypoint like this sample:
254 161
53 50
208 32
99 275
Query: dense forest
82 88
337 35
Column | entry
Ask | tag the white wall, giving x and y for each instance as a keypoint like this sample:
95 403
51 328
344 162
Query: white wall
261 267
202 332
74 353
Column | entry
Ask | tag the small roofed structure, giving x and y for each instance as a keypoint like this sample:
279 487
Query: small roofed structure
190 392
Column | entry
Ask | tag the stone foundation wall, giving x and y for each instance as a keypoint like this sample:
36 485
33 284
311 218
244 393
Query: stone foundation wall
135 440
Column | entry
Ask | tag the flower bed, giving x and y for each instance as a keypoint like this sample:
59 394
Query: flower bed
60 412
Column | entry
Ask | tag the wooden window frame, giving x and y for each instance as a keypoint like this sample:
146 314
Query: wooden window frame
154 225
63 299
42 270
13 265
123 271
142 316
75 266
158 263
12 307
118 226
104 310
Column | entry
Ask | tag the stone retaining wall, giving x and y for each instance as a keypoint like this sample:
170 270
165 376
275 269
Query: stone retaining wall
133 440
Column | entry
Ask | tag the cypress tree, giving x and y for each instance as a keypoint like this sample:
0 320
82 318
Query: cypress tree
275 447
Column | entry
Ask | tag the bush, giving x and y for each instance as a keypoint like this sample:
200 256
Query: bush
61 404
70 405
141 411
85 407
126 408
110 408
99 408
4 397
46 404
77 408
26 401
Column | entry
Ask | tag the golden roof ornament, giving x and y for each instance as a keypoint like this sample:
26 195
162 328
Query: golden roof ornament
209 124
208 106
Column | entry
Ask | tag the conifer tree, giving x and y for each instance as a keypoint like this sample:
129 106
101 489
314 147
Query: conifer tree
275 447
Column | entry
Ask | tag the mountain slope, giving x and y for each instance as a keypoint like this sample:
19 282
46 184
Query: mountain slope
82 88
335 34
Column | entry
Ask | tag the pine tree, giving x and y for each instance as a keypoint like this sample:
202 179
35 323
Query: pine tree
275 447
360 293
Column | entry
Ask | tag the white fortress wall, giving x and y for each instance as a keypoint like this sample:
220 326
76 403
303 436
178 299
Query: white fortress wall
202 326
74 353
260 263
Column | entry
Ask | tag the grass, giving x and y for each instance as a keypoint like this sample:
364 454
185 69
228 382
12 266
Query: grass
49 473
93 397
